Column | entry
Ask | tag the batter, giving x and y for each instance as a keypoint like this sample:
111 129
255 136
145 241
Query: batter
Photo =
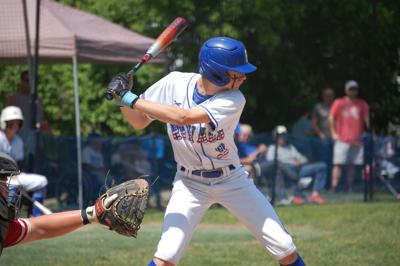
201 112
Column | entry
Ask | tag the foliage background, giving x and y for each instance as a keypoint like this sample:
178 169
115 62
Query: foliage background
300 47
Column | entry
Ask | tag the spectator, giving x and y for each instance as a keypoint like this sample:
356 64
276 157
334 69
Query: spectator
320 124
348 118
248 153
93 161
141 163
298 165
387 162
253 158
320 115
302 128
122 162
22 99
11 121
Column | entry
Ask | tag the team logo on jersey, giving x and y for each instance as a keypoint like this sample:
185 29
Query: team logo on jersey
222 151
176 103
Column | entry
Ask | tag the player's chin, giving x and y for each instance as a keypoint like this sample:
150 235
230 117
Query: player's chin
234 88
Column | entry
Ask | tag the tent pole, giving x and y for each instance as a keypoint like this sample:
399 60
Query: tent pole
28 44
78 130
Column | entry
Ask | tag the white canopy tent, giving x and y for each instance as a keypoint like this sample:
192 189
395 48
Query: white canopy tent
67 35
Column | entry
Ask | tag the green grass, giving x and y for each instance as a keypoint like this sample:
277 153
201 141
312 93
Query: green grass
335 234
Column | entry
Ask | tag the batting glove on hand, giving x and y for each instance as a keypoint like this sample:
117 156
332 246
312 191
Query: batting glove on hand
119 88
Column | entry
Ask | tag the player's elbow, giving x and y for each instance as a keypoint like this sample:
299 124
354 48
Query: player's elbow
181 121
183 118
139 125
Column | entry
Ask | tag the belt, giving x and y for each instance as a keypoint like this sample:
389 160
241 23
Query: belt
209 173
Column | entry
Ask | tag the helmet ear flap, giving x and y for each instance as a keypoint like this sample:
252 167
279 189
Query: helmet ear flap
214 73
3 124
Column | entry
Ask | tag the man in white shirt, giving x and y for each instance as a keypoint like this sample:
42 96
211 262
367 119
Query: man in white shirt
294 161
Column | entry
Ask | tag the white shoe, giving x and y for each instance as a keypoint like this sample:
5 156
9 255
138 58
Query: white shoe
304 182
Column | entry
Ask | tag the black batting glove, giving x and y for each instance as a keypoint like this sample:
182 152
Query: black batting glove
119 85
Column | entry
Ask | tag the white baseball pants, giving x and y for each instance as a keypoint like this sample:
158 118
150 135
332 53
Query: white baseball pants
192 196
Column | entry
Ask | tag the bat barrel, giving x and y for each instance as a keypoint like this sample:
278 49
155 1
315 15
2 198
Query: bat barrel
163 40
167 36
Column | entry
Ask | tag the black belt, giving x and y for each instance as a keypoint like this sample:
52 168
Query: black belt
209 173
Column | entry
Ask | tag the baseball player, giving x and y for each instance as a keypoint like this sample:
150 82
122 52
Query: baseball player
14 230
201 112
11 143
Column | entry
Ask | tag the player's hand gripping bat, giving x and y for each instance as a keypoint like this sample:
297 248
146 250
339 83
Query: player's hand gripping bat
163 40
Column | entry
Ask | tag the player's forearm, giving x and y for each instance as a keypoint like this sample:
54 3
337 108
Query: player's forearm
53 225
135 118
169 113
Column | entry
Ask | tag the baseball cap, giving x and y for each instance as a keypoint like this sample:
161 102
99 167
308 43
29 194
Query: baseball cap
280 130
350 84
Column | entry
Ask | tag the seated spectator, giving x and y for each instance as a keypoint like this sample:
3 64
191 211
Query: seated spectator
93 162
248 153
387 161
253 158
141 162
11 143
122 162
298 165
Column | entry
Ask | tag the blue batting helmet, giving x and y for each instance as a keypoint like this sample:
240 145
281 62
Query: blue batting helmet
221 54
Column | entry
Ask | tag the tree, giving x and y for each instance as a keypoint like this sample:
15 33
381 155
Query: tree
299 48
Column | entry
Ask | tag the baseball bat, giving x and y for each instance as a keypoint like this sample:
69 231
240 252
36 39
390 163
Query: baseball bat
40 206
162 42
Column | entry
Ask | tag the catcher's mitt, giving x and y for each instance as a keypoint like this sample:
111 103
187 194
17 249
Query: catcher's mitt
128 202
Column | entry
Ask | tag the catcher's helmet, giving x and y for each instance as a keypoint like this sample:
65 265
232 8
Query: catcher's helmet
10 113
8 166
221 54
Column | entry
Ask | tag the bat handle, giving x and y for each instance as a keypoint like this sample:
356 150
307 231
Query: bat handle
108 96
132 72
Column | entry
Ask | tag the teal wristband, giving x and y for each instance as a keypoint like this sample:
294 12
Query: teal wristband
129 99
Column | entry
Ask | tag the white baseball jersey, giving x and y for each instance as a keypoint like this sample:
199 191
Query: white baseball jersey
15 148
200 146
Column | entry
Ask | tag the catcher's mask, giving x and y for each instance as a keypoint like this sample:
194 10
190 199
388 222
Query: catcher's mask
14 200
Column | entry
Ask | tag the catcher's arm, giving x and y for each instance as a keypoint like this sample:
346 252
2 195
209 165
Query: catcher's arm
53 225
121 208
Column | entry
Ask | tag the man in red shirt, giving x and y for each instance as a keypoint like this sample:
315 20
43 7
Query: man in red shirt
348 118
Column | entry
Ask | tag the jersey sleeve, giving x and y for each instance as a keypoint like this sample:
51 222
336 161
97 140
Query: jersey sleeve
161 91
18 230
224 109
17 149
